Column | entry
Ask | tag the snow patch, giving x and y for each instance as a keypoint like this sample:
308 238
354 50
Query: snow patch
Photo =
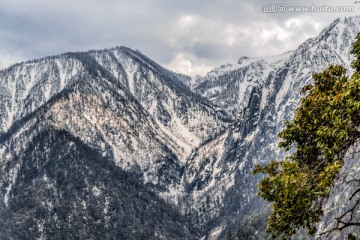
12 177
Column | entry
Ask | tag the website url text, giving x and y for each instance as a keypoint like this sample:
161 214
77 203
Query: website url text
282 8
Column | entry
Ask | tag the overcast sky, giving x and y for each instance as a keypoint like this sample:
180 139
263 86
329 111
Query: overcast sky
188 36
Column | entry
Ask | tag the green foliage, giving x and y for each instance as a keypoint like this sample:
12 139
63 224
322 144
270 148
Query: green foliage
325 125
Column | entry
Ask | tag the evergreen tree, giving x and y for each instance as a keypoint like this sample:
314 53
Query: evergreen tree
325 125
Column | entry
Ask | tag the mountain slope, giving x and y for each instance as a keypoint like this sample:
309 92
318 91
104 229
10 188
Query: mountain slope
189 117
101 90
226 175
64 189
147 129
230 85
104 116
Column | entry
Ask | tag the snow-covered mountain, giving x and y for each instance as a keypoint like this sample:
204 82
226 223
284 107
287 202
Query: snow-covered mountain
71 124
118 102
266 100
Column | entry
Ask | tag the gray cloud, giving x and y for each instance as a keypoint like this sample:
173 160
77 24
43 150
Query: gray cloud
188 36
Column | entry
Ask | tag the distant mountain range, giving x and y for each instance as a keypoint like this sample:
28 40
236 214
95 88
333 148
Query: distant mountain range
108 144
